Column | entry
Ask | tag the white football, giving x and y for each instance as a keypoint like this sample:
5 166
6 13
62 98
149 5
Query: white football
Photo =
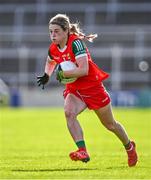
67 66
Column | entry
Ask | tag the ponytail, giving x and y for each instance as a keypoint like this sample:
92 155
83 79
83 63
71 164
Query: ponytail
74 28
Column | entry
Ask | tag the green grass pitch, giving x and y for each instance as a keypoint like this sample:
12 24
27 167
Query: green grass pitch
35 143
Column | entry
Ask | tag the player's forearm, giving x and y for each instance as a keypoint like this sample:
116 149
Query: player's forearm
81 70
78 72
49 67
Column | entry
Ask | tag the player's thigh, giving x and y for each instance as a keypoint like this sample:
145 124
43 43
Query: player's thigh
74 104
105 115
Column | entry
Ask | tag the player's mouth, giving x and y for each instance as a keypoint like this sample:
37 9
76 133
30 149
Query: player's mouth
54 40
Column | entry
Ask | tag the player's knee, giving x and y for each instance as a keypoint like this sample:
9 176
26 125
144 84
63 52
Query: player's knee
70 116
111 127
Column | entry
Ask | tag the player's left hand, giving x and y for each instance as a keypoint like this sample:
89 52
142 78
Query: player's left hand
42 80
59 73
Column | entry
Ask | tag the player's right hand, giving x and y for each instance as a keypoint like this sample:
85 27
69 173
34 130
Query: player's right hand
42 80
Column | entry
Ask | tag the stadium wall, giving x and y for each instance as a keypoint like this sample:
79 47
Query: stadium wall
54 98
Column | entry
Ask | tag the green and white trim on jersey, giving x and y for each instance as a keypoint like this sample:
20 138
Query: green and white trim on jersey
79 48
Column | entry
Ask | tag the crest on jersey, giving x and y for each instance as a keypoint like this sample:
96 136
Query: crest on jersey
66 57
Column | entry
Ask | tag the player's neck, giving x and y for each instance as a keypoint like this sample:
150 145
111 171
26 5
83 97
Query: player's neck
63 43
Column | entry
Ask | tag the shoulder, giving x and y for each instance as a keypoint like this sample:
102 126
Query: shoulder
72 37
78 44
52 50
52 47
76 41
78 48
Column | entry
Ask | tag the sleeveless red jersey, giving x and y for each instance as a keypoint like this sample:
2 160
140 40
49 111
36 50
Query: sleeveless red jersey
95 74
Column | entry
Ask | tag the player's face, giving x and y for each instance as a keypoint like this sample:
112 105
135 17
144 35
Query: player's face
57 34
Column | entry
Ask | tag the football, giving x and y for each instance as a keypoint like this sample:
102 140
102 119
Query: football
66 66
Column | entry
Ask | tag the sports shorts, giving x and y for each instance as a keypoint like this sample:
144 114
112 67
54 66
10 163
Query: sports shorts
94 97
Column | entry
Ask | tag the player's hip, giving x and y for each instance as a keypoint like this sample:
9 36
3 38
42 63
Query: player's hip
94 97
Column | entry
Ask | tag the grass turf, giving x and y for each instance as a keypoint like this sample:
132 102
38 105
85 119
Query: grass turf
35 143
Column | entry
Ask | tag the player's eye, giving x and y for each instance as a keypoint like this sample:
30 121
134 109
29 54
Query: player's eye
56 31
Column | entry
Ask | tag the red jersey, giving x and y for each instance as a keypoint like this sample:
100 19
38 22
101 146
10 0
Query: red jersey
95 74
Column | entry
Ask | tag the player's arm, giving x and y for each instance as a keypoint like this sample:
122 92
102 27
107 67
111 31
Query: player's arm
49 68
79 50
81 70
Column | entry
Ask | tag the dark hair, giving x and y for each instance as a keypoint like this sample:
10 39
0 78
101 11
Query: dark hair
64 22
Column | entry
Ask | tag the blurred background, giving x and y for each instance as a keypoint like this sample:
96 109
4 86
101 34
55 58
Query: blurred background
122 48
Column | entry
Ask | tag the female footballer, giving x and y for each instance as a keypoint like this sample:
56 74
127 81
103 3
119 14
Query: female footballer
87 91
